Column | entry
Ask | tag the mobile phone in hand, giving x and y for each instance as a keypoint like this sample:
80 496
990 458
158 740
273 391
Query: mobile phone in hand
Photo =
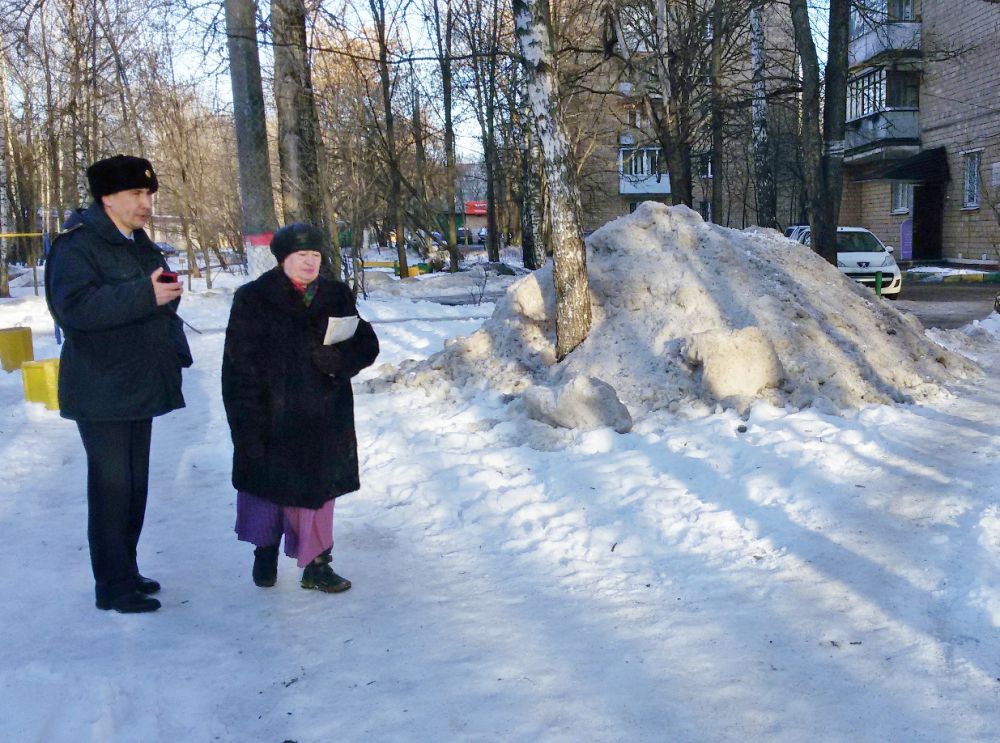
167 277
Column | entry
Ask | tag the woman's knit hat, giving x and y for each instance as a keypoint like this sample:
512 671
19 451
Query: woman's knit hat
295 237
120 173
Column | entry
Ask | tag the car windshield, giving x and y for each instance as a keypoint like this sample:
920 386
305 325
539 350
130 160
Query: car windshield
858 242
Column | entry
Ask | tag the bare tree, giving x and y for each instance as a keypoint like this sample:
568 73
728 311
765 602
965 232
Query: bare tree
767 206
573 311
257 199
298 125
441 22
485 27
823 137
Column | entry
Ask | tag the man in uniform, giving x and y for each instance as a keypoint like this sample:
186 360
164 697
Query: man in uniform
121 363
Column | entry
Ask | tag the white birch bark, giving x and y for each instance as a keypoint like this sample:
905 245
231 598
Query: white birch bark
573 311
763 173
5 163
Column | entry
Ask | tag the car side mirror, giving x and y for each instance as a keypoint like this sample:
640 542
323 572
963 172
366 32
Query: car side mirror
889 249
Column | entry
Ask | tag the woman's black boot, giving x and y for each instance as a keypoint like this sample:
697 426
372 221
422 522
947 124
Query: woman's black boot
265 566
319 576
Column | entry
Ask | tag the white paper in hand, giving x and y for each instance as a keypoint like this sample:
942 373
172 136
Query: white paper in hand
340 329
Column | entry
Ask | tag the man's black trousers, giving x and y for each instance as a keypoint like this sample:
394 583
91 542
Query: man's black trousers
117 483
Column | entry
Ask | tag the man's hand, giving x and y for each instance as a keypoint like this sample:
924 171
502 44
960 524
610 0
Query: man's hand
165 293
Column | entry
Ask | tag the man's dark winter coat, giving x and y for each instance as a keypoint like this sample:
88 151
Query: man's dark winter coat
123 354
293 423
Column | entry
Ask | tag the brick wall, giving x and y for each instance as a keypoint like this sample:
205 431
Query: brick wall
960 111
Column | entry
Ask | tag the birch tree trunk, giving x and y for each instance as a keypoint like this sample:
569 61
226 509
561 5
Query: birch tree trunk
764 185
573 312
256 195
4 174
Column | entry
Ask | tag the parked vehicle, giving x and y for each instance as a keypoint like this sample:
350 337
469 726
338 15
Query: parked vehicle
860 255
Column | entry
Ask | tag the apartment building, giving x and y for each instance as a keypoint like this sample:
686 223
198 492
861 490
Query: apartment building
621 161
922 151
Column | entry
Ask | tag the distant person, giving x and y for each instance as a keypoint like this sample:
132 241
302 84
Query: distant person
108 287
290 407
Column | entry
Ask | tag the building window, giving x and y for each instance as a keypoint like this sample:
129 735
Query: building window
705 165
639 162
902 198
866 95
903 90
901 10
633 117
972 160
873 13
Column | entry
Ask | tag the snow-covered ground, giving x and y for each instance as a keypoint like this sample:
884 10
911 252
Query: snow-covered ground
789 575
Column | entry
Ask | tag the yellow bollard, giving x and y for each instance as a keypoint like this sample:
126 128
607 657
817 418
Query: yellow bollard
15 348
41 382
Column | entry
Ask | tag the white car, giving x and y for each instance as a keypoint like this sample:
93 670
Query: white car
861 256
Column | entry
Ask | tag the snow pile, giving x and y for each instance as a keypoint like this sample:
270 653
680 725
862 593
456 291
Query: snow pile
975 341
470 286
691 314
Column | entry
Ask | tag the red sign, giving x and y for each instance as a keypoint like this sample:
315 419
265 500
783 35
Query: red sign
263 240
475 207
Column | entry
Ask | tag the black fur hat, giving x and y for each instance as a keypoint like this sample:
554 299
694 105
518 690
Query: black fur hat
120 173
295 237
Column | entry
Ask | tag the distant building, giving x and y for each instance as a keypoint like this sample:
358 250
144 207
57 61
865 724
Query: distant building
922 151
623 164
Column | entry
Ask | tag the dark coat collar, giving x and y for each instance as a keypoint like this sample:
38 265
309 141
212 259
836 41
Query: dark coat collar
277 289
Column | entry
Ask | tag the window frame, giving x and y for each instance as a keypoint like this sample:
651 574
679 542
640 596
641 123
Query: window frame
867 94
904 205
972 176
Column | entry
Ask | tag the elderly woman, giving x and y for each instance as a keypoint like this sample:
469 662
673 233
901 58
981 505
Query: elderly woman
290 407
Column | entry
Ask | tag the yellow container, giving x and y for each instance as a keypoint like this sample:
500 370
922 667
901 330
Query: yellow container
41 382
413 270
15 348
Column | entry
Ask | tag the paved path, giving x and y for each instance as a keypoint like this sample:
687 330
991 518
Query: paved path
942 305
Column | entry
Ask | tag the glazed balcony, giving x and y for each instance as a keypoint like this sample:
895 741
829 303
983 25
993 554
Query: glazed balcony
883 135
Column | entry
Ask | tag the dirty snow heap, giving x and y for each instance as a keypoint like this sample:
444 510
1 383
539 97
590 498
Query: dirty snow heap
689 314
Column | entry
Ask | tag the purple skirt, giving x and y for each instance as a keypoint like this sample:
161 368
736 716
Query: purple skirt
308 532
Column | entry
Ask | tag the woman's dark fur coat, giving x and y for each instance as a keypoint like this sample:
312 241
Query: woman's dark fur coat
293 424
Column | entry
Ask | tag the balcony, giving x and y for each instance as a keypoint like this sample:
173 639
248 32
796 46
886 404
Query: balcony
892 39
638 170
884 135
644 185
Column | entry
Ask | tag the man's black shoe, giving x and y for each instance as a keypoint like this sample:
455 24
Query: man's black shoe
265 566
146 585
129 603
